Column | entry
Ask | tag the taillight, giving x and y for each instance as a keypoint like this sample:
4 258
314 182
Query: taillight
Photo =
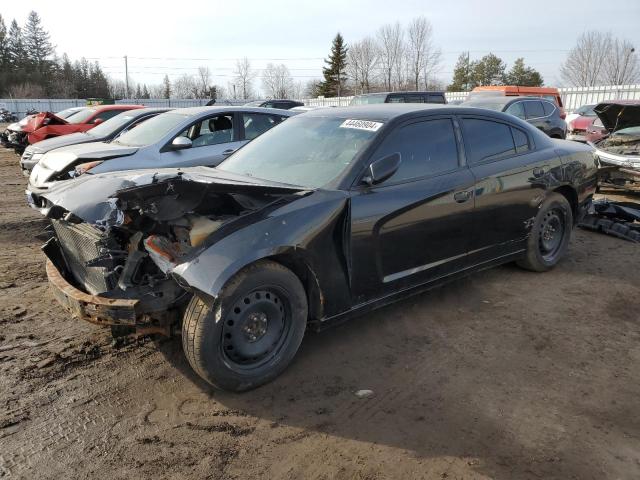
563 114
85 167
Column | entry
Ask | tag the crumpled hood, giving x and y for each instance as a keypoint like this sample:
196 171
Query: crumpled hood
93 198
42 119
616 116
58 160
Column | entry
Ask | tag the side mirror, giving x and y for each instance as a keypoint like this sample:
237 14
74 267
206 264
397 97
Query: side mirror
98 121
181 143
382 169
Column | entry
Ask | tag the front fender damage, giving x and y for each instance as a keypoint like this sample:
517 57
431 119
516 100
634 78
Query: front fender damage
143 230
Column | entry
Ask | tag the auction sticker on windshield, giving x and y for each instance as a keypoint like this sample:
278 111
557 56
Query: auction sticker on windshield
362 125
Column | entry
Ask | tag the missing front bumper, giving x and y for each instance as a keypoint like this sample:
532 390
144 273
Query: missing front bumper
100 310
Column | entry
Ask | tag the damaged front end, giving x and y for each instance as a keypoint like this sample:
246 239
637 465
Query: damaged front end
110 261
619 153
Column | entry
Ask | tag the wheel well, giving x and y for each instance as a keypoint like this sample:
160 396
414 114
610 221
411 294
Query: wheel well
309 282
572 197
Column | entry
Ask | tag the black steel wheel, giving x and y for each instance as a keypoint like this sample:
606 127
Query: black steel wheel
549 237
256 327
252 332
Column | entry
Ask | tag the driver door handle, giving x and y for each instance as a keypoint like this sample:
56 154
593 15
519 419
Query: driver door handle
463 196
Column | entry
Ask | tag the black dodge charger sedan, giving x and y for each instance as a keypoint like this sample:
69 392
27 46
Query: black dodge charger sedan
329 215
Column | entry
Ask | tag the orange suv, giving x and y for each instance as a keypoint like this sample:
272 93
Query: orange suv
549 93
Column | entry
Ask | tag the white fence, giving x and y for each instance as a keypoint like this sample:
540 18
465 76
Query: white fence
572 98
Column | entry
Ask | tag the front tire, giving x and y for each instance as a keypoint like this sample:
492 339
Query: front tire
253 331
550 235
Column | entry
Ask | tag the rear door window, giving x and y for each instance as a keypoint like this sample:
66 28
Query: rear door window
533 109
395 99
414 99
426 148
486 140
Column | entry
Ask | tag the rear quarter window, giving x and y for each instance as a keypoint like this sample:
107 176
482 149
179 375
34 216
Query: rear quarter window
548 108
486 140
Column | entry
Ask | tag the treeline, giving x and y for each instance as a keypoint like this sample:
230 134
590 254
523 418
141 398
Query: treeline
30 68
491 70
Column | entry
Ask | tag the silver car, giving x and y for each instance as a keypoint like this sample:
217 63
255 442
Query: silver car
184 137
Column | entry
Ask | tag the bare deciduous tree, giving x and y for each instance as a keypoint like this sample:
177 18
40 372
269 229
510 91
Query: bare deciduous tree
204 82
362 60
185 87
585 63
277 81
622 66
244 76
423 55
390 42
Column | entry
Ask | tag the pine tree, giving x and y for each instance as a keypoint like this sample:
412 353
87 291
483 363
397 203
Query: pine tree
461 74
489 70
36 40
335 71
523 76
166 87
138 93
4 57
145 92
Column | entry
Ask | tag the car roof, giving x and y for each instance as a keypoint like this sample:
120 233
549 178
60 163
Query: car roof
388 111
143 111
214 109
504 100
411 92
117 106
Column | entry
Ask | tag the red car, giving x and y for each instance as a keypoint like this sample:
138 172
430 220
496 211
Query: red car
46 125
577 128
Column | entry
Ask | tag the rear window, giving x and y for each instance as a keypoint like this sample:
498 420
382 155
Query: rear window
486 140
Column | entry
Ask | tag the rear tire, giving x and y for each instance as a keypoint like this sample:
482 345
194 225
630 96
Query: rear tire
550 235
253 331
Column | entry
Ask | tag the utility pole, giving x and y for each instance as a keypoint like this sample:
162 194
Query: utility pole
126 76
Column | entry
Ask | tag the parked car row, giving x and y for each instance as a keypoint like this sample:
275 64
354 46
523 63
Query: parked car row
243 227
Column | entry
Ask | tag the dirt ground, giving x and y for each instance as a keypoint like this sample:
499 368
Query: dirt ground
505 375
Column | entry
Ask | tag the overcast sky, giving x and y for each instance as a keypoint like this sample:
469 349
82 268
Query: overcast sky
176 37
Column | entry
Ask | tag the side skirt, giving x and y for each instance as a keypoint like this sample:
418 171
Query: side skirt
409 292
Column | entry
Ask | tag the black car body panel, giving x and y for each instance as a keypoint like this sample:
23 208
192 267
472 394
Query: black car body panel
353 245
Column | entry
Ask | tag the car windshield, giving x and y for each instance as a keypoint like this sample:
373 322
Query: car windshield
152 130
586 111
308 152
367 99
81 116
113 124
66 113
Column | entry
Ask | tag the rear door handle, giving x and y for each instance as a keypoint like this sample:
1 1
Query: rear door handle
463 196
229 151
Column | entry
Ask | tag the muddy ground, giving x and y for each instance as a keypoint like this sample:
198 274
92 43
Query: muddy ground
506 375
